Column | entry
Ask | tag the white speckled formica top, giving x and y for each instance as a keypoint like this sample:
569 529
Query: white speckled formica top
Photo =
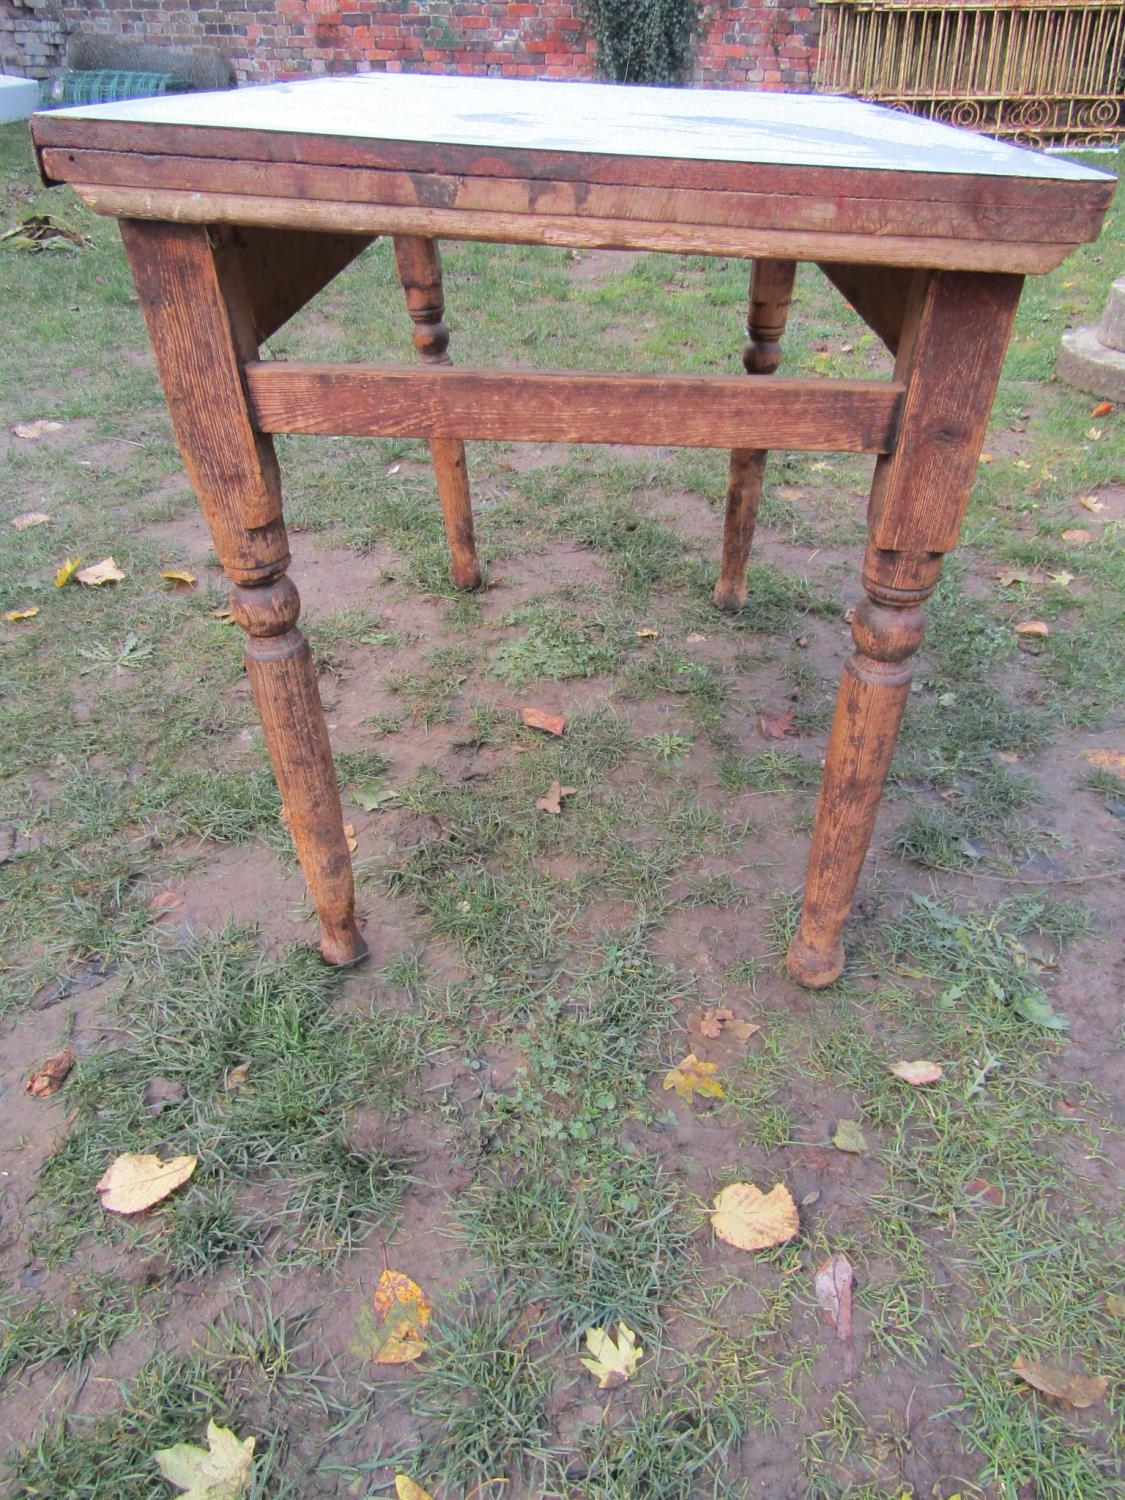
603 119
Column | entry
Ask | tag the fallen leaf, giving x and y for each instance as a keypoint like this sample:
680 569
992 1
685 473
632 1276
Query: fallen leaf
1020 463
160 1092
552 802
833 1283
13 616
980 1187
133 1183
30 518
1092 503
540 718
372 796
721 1023
1115 1304
1034 1006
33 430
223 1473
711 1022
1033 627
164 903
408 1489
985 458
67 571
179 576
1077 536
848 1136
391 1331
394 468
98 573
224 616
1007 578
693 638
1062 578
749 1219
613 1362
1104 759
646 633
1094 434
350 838
691 1076
51 1076
236 1077
917 1072
1075 1390
777 726
1102 409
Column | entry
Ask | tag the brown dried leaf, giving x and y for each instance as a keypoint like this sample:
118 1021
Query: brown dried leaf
180 577
1105 759
30 518
159 1092
236 1077
98 573
552 802
349 836
1091 503
711 1021
646 633
721 1023
778 726
980 1187
1102 409
1007 578
693 1076
834 1292
1076 1390
917 1072
541 718
1077 536
1115 1304
1038 628
133 1183
51 1076
164 903
749 1219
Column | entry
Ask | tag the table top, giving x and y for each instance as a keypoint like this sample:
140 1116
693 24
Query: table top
805 130
692 170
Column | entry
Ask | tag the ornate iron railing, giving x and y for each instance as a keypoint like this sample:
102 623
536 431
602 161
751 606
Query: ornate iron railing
1036 71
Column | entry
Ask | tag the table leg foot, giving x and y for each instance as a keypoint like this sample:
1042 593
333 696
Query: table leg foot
814 968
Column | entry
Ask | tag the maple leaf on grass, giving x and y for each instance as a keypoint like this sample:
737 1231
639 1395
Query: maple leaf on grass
391 1331
749 1219
552 801
720 1021
612 1361
691 1076
221 1471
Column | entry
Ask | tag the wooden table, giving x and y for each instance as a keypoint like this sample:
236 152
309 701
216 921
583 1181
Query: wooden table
236 208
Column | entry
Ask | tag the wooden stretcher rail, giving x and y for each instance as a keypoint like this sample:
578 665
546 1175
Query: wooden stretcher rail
818 415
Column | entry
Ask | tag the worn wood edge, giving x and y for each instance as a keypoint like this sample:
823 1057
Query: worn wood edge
601 234
1090 197
807 414
839 213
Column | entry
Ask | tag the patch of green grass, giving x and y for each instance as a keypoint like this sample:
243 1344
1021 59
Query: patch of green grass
557 643
97 1312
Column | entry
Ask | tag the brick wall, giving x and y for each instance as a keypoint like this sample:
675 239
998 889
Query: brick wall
760 44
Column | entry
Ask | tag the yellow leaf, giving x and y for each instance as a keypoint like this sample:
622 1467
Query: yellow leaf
1038 628
1092 503
917 1072
1105 759
236 1077
179 575
986 458
691 1076
67 571
350 838
612 1361
133 1182
1020 463
849 1137
30 518
1077 536
1075 1390
224 616
32 430
1062 578
98 573
749 1219
646 633
222 1474
22 614
407 1489
391 1330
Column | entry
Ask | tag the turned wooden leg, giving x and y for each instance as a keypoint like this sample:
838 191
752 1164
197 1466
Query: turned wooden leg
771 291
419 271
954 336
200 320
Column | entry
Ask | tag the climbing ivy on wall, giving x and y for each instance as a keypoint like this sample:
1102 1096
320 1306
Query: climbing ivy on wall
643 41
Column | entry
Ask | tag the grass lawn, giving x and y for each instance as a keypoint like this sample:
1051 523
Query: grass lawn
483 1106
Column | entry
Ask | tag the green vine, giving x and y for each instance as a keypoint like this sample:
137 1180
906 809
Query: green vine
643 41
